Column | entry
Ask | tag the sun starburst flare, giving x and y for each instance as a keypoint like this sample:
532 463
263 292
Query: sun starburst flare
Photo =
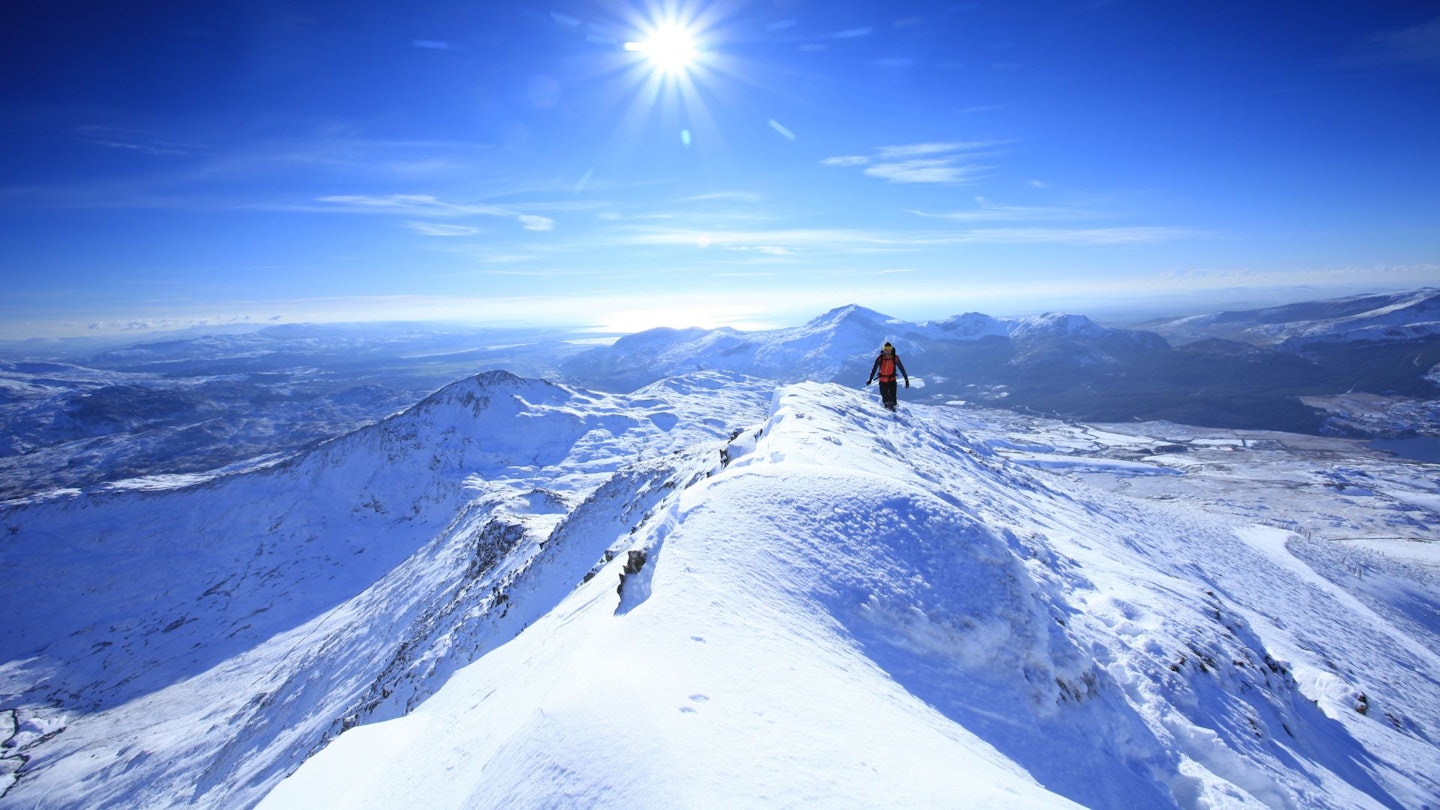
671 48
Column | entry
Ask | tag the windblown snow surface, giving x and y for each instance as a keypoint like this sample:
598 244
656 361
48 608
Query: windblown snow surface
713 593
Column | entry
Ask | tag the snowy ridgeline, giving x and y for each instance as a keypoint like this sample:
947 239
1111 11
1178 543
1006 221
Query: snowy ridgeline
712 593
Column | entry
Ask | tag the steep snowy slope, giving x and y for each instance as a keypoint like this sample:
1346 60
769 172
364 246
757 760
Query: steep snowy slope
184 641
851 609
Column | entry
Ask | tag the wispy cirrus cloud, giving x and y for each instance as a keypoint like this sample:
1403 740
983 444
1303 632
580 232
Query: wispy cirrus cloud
993 223
767 242
918 150
747 197
985 211
442 229
1119 235
425 205
407 203
1134 235
928 162
1416 47
535 222
789 242
928 170
134 140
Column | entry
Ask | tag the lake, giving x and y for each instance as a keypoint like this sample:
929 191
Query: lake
1416 448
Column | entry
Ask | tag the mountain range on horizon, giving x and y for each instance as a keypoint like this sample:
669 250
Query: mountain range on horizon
1360 366
1241 370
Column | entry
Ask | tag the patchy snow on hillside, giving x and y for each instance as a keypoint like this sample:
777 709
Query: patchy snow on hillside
1374 415
713 593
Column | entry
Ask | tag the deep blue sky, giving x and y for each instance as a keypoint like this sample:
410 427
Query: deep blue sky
170 163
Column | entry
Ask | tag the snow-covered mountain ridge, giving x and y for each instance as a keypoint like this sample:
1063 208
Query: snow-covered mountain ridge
1069 366
210 634
843 339
821 602
859 610
1376 317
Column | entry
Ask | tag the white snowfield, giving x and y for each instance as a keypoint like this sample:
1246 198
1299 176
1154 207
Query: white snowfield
823 605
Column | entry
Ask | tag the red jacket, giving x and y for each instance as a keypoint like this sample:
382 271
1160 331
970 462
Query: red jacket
885 365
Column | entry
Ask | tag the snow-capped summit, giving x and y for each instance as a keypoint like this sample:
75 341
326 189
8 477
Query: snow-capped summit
972 325
1057 323
841 340
852 315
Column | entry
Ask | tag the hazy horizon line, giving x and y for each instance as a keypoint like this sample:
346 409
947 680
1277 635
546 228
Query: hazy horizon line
379 311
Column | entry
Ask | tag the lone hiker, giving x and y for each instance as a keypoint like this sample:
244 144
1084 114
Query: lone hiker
885 364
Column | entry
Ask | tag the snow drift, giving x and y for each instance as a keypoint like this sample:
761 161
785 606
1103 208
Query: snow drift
855 610
698 595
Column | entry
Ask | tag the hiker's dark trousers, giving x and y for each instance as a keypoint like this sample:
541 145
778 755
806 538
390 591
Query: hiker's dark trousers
887 393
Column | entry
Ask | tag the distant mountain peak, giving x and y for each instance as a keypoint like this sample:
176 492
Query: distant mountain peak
499 377
482 387
972 324
851 313
660 336
1060 323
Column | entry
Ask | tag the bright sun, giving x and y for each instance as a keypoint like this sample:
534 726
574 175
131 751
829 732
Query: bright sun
671 48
